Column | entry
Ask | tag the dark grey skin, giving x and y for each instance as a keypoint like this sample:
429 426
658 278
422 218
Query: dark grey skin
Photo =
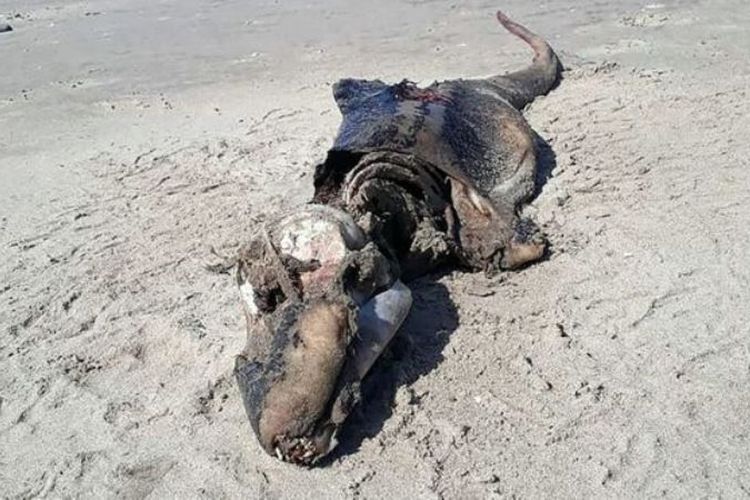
431 176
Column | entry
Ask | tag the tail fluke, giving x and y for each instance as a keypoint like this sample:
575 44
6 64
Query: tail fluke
521 87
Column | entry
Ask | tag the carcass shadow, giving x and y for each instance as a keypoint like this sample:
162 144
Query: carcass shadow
415 351
546 162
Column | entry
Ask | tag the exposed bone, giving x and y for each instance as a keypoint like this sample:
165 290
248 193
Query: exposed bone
379 320
321 235
352 235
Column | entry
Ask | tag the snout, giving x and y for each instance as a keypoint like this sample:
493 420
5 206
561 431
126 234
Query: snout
287 392
321 305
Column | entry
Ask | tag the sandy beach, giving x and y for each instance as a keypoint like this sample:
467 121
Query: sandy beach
142 142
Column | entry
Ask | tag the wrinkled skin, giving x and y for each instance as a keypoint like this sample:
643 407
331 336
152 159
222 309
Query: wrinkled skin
417 178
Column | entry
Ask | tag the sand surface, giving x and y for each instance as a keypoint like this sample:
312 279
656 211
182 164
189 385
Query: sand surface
139 139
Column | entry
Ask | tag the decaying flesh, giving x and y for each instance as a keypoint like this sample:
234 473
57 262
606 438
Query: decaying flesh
417 178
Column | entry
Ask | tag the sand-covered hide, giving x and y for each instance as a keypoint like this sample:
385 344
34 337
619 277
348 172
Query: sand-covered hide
137 136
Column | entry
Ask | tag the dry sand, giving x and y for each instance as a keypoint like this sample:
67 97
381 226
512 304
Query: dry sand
135 136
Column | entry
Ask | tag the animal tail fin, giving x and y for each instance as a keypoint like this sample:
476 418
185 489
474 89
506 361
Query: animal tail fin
537 79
